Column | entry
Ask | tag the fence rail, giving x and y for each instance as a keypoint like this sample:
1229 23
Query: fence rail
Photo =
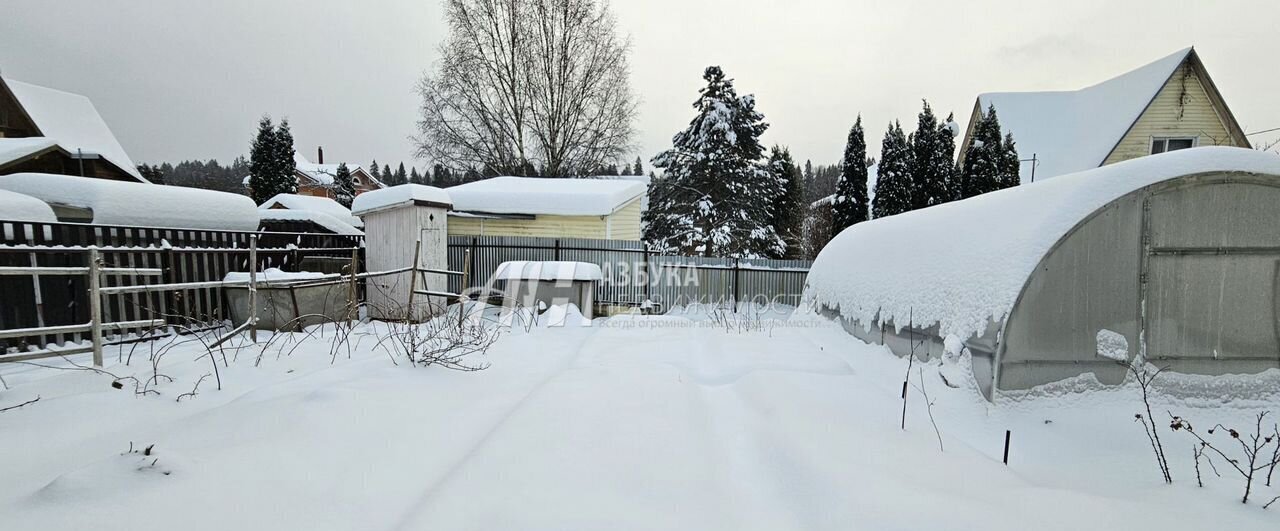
632 274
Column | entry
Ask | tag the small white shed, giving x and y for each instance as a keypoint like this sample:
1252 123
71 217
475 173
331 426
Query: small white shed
394 220
527 284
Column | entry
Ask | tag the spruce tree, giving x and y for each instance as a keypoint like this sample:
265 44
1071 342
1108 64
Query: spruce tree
714 199
850 205
981 170
893 187
946 139
152 174
415 177
373 171
387 176
402 177
268 172
344 189
787 215
930 168
1010 166
638 168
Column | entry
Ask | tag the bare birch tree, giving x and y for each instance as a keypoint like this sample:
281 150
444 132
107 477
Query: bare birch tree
528 86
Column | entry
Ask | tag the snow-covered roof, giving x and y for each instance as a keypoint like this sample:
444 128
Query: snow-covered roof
404 194
547 196
21 207
335 225
1075 130
528 270
961 263
321 173
139 204
312 203
12 149
72 121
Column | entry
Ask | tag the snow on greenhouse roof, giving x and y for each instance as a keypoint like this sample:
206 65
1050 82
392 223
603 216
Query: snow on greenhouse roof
1075 130
312 203
333 224
528 270
139 204
547 196
404 194
959 264
12 149
21 207
72 121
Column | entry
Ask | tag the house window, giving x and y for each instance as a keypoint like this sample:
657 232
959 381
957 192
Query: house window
1161 144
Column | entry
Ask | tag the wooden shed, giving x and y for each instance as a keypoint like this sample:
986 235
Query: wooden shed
594 208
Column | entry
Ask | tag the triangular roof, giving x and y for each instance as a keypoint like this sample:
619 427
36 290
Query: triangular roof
72 121
1076 130
323 174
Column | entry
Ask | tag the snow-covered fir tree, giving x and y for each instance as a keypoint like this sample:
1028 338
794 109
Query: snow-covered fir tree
373 170
931 165
893 187
850 203
948 130
984 159
1010 166
344 189
271 162
714 199
787 213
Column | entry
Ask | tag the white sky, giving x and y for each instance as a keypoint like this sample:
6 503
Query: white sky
188 79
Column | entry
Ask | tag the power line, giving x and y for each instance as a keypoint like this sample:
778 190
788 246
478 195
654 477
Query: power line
1262 131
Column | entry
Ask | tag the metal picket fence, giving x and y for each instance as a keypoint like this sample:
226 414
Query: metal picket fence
633 274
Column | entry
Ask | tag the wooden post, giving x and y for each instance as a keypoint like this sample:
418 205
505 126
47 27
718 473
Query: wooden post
352 291
735 285
95 305
253 288
462 299
1007 434
413 276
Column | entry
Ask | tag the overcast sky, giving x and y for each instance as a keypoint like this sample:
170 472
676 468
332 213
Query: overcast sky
188 79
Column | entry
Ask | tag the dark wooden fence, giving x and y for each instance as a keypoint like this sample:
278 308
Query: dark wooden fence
185 255
633 274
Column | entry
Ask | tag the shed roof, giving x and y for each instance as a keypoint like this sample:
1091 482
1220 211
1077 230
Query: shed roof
1075 130
533 270
13 149
312 203
960 264
333 224
546 196
139 204
401 195
72 121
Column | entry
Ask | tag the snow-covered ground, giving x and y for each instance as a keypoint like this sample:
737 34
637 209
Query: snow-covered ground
771 422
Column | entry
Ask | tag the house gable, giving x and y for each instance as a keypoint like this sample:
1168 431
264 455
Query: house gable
14 122
1187 106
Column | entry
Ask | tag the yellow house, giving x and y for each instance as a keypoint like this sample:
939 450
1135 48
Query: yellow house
594 208
1167 105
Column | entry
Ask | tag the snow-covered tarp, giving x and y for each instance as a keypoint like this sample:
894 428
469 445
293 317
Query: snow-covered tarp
405 194
531 270
959 264
72 121
12 149
20 207
533 195
1075 130
139 204
334 225
312 203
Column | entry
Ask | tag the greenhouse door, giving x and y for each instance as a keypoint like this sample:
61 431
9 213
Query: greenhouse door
1212 273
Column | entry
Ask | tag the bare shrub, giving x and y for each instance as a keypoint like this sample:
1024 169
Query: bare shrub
1252 446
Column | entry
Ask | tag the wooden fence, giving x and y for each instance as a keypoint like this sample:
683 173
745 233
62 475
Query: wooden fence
183 256
633 274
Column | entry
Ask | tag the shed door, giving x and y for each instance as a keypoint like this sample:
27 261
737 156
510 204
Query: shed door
1213 278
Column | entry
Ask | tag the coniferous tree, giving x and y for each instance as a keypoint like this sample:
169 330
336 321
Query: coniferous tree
152 174
402 177
714 198
849 206
1010 166
787 215
387 176
987 166
946 139
269 171
930 168
893 187
373 171
344 189
415 177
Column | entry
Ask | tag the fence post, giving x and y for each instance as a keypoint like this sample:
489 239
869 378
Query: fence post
413 276
648 279
557 258
95 305
462 298
253 288
352 291
475 246
736 294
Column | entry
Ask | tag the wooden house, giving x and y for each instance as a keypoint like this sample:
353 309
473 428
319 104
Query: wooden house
548 207
1167 105
317 178
43 130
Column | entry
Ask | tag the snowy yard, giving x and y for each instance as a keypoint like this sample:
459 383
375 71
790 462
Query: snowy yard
634 423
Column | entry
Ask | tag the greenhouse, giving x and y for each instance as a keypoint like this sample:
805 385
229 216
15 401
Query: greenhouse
1177 254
